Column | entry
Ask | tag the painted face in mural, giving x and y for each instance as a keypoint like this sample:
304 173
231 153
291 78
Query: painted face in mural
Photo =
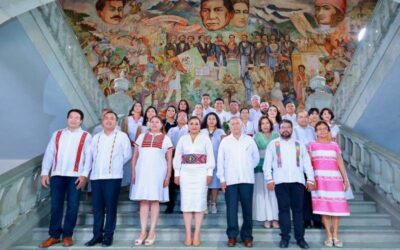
216 14
330 12
110 11
241 14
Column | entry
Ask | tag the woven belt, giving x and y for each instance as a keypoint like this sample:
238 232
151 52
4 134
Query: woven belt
194 159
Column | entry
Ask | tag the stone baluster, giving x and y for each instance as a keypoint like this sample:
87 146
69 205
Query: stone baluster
386 178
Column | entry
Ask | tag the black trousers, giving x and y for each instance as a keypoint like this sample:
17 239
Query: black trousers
290 196
308 211
244 193
172 192
105 195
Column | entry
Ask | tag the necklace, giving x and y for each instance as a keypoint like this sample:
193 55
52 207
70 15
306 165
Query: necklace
211 134
112 151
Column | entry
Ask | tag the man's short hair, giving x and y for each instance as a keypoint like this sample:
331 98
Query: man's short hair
100 4
205 94
75 111
290 102
256 96
286 121
219 99
227 3
112 112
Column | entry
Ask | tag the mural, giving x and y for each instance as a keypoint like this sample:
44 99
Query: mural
171 50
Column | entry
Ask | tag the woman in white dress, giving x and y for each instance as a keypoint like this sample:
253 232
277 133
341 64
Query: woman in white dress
145 126
211 127
193 165
130 126
151 172
248 126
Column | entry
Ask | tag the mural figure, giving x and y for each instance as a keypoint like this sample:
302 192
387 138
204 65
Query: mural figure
173 49
242 10
245 53
216 14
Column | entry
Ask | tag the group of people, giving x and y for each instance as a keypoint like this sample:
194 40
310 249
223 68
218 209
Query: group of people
272 164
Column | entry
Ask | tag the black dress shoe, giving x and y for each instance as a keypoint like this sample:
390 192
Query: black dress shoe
94 241
303 244
284 243
107 242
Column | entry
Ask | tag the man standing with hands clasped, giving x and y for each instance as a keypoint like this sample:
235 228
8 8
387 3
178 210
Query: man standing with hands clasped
286 161
237 157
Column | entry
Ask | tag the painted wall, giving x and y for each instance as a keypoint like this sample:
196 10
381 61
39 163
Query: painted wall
179 49
32 104
381 119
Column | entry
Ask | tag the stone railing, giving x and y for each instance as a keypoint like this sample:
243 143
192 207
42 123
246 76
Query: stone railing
20 192
374 164
10 9
379 23
53 22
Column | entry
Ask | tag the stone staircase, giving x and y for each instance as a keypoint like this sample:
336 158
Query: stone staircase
366 228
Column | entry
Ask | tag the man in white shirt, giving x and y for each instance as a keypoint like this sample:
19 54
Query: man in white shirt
305 133
237 157
290 109
65 158
219 110
286 161
255 112
108 152
233 110
175 134
264 107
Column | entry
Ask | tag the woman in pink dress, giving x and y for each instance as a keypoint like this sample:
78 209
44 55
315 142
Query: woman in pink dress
331 182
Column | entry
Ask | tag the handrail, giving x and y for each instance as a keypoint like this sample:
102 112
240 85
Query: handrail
52 19
383 15
20 191
375 164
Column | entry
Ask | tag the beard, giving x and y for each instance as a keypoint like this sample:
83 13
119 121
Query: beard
286 135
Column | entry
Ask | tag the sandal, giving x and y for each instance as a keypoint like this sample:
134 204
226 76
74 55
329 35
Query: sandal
328 242
337 242
139 241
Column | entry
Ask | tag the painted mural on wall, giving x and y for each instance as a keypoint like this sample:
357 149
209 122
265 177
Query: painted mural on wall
172 50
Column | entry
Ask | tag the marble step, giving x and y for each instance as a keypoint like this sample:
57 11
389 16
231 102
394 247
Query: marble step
356 206
173 244
132 219
125 196
372 234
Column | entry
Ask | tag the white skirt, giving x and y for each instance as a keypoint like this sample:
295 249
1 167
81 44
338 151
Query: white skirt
193 183
265 204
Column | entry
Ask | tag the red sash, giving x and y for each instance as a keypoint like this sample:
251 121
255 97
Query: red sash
78 153
58 136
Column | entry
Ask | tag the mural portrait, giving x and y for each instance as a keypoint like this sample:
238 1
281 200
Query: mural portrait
178 49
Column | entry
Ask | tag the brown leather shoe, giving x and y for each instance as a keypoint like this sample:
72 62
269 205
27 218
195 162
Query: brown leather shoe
67 242
248 243
49 242
231 242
